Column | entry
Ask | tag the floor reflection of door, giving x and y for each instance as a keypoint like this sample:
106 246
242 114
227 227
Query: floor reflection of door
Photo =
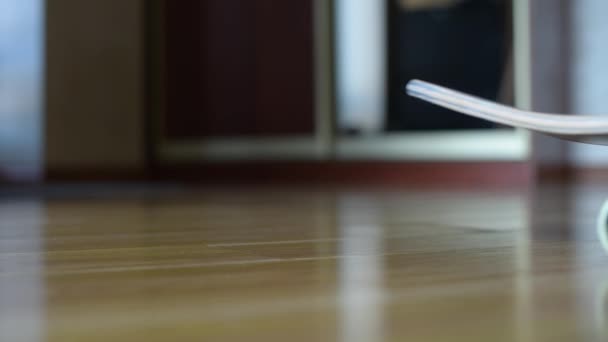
22 293
361 271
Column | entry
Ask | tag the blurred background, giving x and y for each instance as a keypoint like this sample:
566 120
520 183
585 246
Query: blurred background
275 90
129 98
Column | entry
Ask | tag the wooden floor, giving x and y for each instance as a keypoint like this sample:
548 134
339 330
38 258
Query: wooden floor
109 263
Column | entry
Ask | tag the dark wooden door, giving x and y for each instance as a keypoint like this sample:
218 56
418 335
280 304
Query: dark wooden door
238 68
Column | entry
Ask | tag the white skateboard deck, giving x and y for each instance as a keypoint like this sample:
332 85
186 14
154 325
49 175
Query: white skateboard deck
580 128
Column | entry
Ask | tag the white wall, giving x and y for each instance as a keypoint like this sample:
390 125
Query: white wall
589 87
548 75
360 67
21 78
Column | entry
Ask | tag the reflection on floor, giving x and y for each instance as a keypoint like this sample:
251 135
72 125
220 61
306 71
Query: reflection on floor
168 264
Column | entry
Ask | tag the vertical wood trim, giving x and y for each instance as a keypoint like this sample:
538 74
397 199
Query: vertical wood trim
324 77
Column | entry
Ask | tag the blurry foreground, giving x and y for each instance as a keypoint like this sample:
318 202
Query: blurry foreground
157 264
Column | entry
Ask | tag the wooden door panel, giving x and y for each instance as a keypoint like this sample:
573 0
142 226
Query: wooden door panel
239 68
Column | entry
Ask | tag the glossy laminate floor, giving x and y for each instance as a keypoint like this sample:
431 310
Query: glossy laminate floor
109 263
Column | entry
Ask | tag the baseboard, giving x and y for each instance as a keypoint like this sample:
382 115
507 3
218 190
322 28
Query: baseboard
352 172
96 174
28 174
467 174
573 174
